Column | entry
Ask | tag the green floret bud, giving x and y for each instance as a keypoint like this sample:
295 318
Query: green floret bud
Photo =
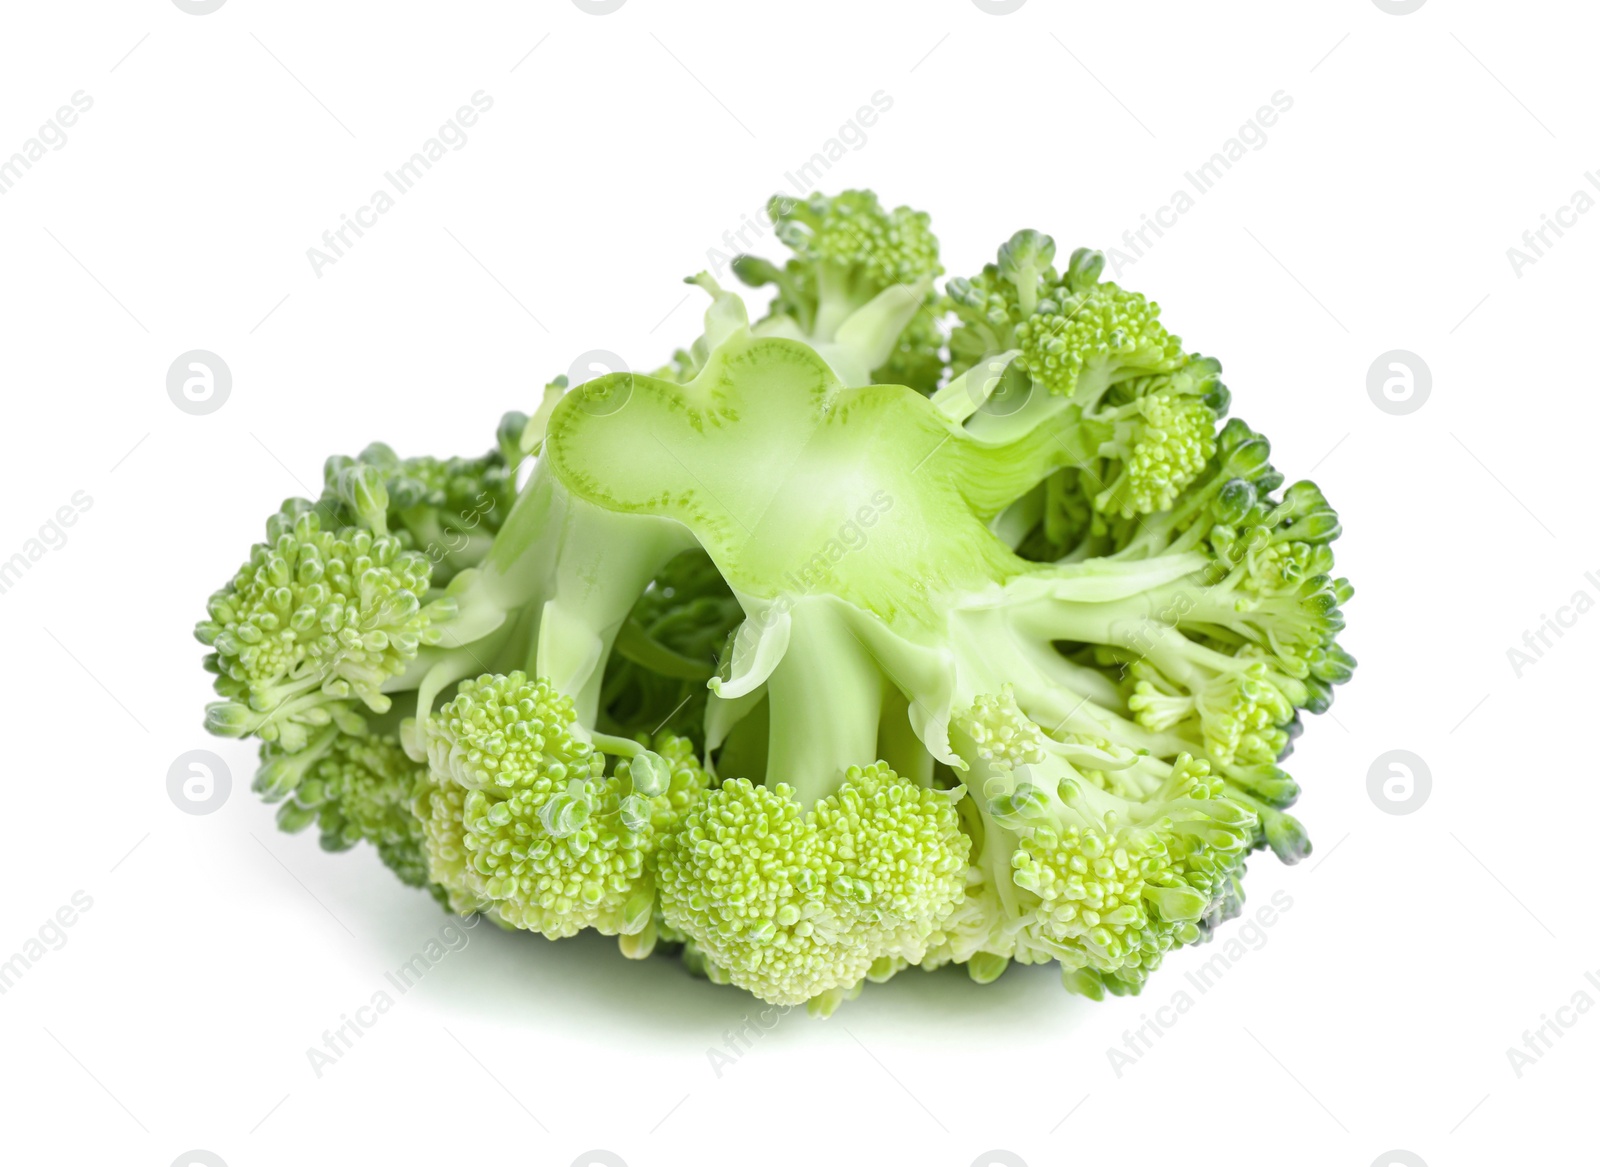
1228 498
1000 733
987 312
667 778
797 906
315 618
858 244
990 306
747 880
1078 344
1024 262
522 821
1074 873
1238 714
358 789
1163 442
361 488
1084 270
1152 438
1133 882
859 287
446 508
902 855
1273 590
1243 454
1281 567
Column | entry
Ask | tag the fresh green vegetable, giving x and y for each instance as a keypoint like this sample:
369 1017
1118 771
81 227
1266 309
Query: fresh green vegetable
837 646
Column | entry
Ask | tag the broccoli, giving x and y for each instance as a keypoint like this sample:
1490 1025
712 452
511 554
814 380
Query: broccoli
836 647
858 289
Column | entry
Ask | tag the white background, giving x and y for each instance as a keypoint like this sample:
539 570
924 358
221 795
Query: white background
1376 1013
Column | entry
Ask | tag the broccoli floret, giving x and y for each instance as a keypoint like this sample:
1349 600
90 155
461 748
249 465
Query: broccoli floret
1075 342
447 508
859 288
1080 343
1160 442
315 620
991 306
522 821
798 905
1069 872
355 788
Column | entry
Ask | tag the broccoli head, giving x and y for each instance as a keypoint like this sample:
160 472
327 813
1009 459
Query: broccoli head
839 646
